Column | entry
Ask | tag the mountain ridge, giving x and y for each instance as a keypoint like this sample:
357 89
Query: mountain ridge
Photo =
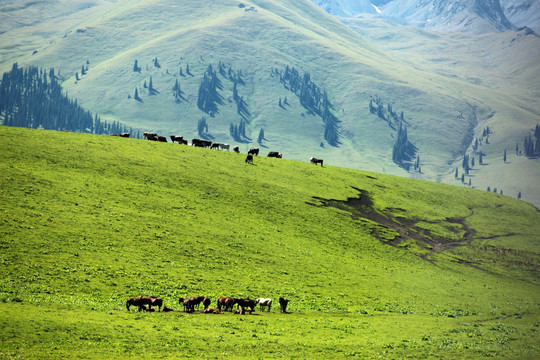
272 35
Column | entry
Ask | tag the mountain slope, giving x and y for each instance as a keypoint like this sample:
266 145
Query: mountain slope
443 112
346 8
523 13
475 16
89 221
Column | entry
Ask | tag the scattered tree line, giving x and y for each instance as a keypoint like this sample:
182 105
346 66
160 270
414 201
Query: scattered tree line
531 145
33 98
313 99
404 151
376 107
209 98
238 132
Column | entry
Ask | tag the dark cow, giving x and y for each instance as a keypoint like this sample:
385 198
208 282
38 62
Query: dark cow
150 136
236 149
224 146
316 161
283 304
253 151
216 146
144 300
275 154
175 138
201 143
124 135
249 159
162 138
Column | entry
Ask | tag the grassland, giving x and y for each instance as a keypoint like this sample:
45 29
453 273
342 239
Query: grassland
367 260
490 80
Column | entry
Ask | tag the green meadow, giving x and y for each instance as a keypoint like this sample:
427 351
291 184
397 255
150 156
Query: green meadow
450 86
374 266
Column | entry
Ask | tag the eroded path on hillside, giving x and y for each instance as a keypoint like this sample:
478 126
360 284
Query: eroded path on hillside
398 231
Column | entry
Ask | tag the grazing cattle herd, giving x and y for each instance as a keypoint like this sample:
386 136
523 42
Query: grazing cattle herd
213 145
192 304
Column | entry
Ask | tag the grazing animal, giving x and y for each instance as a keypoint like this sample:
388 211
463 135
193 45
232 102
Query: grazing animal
275 154
124 134
162 138
190 303
236 149
175 138
211 311
264 303
253 151
150 136
283 304
249 159
144 300
183 141
201 143
156 301
206 302
316 161
246 303
216 146
224 146
167 309
226 303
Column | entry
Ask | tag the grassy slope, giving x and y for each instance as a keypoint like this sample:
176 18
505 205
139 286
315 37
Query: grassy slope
505 65
91 220
279 33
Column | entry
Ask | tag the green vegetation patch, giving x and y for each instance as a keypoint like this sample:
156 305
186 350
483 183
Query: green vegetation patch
89 221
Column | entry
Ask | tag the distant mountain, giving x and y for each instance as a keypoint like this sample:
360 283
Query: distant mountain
472 16
347 8
523 13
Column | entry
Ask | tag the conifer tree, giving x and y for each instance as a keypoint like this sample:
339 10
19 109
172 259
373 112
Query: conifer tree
261 136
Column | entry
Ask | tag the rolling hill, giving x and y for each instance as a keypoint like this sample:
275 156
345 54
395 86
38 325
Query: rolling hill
257 41
372 264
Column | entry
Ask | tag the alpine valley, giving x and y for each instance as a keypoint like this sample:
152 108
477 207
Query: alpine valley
349 90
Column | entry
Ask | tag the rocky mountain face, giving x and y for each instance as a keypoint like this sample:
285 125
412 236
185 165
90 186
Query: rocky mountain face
471 16
346 8
523 13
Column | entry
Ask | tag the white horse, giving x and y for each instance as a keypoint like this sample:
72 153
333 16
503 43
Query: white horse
264 303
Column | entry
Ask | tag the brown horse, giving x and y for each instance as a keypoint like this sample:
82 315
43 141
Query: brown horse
144 300
283 303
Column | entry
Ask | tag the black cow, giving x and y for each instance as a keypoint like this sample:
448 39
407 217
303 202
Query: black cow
150 136
175 138
316 161
253 151
275 154
249 159
236 149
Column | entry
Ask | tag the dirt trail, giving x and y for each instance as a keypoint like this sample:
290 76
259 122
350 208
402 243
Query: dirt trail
407 229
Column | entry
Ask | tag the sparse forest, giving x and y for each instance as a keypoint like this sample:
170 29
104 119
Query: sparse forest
33 98
313 99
